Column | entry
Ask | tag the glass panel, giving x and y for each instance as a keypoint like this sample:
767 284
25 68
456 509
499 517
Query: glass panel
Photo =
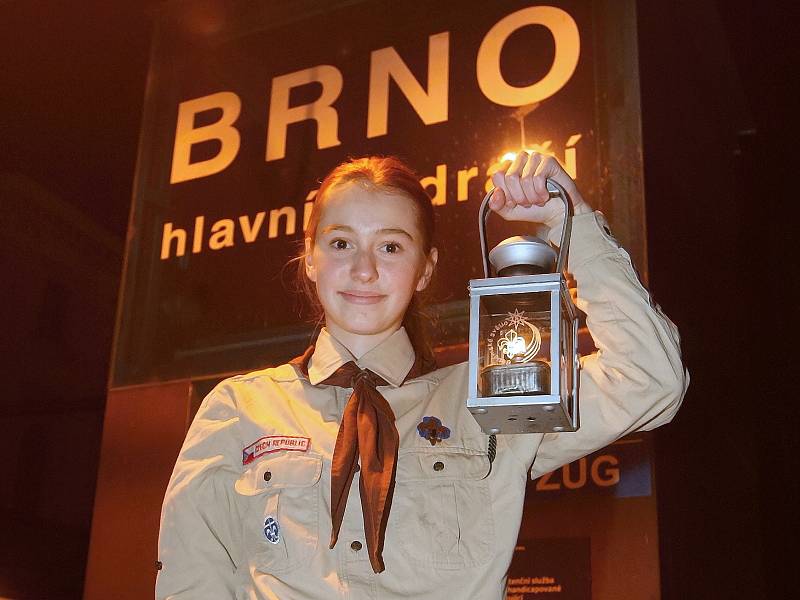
567 344
514 354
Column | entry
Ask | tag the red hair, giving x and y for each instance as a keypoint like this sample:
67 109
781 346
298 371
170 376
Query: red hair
383 173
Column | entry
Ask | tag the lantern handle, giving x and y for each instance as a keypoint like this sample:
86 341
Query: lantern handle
555 190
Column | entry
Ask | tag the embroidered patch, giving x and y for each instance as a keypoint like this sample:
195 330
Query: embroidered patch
431 429
273 443
272 530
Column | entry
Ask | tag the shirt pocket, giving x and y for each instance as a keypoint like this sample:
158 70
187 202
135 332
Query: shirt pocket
281 515
441 511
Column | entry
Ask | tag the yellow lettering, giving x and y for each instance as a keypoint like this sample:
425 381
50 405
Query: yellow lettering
431 106
610 476
281 115
197 238
545 485
250 231
274 220
222 234
570 156
186 135
464 175
308 206
179 235
574 484
567 51
439 182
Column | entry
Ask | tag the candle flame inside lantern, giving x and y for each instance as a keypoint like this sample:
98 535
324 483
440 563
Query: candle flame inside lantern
512 344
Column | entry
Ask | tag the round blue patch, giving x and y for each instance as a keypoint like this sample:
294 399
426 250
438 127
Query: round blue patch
271 530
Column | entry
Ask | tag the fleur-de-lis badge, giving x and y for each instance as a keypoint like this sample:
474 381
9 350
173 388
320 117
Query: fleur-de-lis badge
431 429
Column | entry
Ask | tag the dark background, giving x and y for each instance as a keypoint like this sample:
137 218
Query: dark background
718 190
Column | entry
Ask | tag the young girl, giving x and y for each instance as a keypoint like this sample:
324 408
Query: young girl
356 471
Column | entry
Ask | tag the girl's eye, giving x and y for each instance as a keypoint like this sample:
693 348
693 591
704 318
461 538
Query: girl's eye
340 244
391 247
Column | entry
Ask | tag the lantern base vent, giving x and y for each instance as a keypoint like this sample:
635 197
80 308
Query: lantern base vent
524 414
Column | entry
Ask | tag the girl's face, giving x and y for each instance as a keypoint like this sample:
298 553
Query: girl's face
367 260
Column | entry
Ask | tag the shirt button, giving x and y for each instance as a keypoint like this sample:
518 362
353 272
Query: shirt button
356 546
159 566
267 475
357 469
438 465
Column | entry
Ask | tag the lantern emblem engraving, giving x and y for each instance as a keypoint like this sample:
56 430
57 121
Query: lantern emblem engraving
513 345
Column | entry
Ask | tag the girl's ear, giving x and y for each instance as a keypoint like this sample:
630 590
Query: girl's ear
308 261
427 272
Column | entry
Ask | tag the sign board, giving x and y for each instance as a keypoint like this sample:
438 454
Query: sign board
249 104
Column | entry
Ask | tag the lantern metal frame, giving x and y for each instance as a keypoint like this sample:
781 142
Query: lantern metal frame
542 413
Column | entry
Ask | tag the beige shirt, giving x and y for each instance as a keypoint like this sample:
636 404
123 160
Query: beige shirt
247 510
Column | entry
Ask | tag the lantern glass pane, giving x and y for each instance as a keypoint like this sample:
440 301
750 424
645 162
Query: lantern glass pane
514 344
567 345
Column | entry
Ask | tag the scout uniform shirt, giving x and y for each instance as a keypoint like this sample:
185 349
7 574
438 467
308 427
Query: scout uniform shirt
247 511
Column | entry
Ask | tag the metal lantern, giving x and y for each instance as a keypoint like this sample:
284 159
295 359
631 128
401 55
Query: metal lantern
523 334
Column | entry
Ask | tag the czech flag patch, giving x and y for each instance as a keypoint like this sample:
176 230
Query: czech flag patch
273 443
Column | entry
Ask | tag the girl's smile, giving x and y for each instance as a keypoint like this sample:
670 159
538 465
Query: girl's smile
357 297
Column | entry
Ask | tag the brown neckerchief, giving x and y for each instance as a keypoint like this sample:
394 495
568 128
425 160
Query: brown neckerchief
367 434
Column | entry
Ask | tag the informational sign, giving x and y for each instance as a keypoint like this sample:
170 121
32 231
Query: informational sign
551 568
250 104
582 521
585 520
621 470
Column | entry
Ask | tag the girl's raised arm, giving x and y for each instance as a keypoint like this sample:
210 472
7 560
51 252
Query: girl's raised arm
636 379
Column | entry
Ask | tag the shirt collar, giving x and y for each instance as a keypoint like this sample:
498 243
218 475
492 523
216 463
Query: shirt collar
392 359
